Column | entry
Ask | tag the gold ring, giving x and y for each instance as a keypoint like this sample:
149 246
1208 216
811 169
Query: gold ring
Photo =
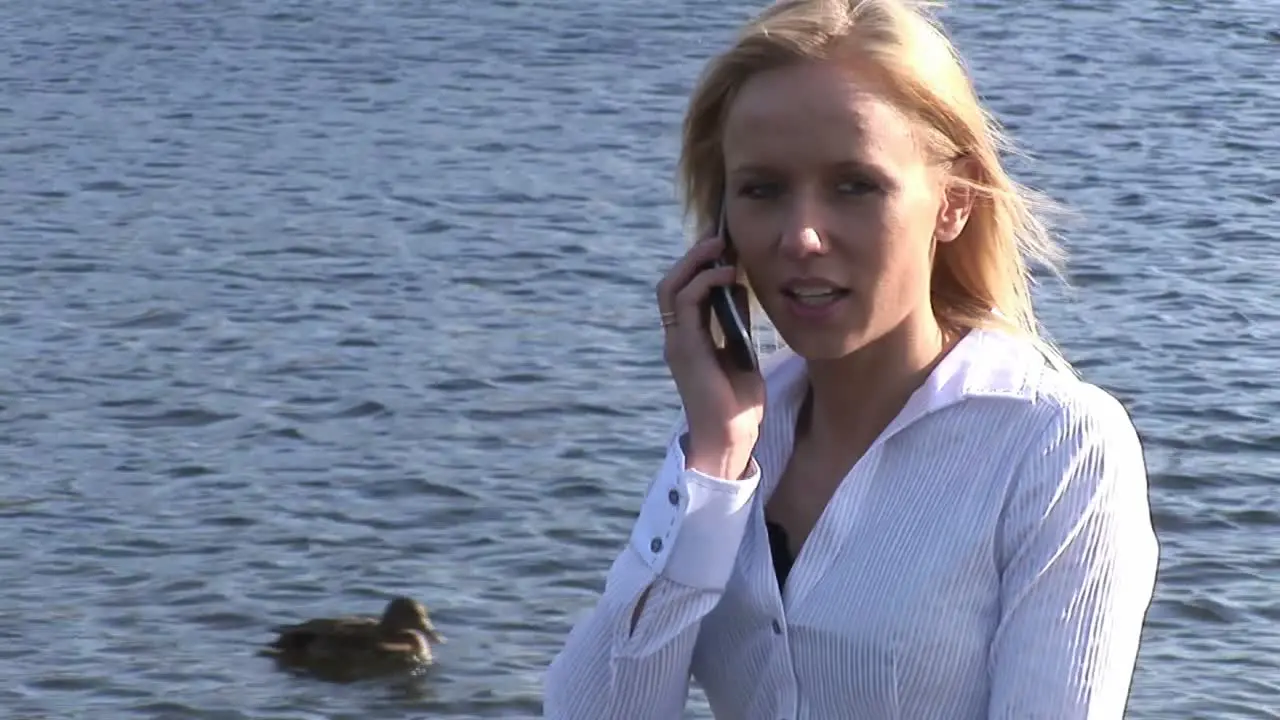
668 319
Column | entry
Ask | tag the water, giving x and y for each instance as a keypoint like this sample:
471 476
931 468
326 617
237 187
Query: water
307 303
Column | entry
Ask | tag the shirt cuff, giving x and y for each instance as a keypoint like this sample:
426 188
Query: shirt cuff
691 524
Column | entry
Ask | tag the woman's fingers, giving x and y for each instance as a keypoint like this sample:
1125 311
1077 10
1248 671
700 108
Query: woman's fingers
684 270
689 341
691 301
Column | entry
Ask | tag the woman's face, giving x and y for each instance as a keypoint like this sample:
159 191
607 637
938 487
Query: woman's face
833 207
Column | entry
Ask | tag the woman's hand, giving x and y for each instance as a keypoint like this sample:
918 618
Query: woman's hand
724 405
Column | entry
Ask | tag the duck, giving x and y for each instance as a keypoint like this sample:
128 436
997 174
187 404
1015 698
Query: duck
357 647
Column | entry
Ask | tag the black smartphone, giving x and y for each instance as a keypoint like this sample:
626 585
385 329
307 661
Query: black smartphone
733 326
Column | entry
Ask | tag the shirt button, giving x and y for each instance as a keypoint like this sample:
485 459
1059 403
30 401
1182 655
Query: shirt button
673 497
656 545
777 627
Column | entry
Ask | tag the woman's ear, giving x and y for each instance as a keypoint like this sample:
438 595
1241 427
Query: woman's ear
957 199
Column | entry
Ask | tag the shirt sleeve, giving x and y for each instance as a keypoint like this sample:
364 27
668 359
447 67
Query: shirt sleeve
681 552
1079 557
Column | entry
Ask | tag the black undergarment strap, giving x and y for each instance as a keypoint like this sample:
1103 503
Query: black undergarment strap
781 552
779 547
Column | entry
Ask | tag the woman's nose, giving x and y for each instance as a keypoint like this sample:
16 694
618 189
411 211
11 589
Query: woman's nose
801 235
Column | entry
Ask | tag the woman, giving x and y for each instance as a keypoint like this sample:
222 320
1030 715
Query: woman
916 510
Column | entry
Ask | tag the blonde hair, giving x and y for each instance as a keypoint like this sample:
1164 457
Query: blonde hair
983 277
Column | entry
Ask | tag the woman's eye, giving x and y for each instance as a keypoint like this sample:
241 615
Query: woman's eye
857 187
758 190
772 190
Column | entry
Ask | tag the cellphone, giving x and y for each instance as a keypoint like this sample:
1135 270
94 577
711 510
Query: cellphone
733 326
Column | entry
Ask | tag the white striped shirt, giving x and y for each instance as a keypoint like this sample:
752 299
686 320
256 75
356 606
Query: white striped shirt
990 557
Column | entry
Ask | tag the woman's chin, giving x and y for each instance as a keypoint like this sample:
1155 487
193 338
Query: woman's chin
818 345
818 332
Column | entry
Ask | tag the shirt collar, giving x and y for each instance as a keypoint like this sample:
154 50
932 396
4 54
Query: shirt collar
985 363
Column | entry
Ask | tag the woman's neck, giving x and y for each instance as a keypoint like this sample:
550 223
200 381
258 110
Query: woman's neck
855 397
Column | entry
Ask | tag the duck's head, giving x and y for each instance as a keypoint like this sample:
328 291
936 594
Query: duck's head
405 613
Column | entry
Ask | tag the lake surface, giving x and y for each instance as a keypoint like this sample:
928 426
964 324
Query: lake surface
303 304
